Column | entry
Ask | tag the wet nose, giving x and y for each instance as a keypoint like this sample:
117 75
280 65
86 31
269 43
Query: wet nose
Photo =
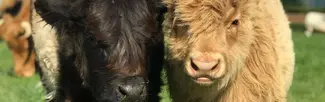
132 88
204 63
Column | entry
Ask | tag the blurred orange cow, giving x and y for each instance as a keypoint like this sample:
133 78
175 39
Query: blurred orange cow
15 30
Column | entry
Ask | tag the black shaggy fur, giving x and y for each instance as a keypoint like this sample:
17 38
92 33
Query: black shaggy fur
102 43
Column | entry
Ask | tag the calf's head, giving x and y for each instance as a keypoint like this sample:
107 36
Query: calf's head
11 29
115 37
209 38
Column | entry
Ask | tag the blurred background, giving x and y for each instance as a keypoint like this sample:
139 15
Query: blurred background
309 77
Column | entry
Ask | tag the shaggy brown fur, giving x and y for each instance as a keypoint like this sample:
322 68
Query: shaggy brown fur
258 49
15 30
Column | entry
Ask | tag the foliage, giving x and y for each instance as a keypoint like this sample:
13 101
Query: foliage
291 2
297 6
295 9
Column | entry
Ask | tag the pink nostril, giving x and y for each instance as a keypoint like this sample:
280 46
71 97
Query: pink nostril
204 65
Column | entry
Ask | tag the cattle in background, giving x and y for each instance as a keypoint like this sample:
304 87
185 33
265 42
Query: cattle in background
99 50
15 30
228 51
314 21
5 4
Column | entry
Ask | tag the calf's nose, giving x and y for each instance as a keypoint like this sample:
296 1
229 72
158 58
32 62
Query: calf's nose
132 88
204 63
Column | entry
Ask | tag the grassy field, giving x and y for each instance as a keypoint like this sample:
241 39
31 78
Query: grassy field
14 89
308 84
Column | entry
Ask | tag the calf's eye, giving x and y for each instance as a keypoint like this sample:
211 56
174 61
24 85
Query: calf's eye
235 22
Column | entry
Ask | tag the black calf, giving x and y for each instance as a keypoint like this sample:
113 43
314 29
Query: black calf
110 50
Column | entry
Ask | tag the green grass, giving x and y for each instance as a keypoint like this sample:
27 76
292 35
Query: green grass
309 76
15 89
308 84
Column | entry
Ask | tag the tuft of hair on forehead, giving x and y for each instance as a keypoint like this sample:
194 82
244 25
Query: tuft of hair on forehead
217 6
199 12
204 14
126 27
110 19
